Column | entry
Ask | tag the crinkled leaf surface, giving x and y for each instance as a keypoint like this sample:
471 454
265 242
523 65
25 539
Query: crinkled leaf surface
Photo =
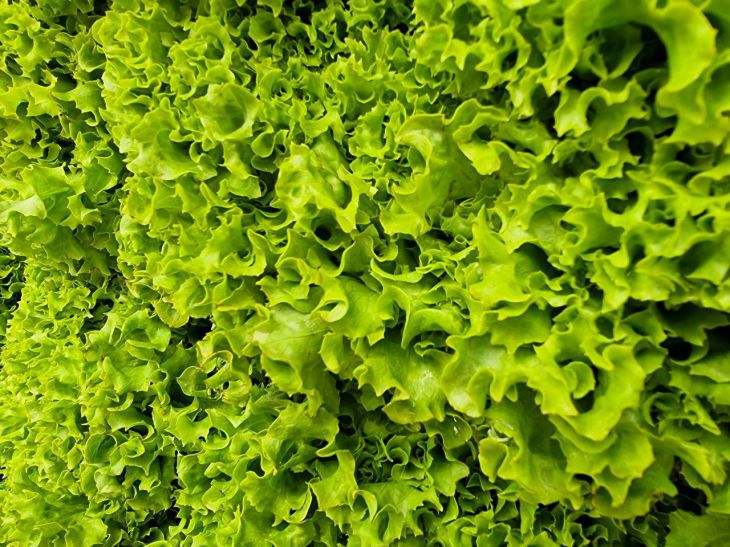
421 272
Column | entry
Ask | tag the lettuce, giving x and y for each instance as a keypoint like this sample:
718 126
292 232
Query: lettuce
435 272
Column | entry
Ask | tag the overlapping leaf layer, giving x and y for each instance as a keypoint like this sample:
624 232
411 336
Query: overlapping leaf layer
365 272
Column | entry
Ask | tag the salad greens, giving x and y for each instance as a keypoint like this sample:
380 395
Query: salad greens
365 272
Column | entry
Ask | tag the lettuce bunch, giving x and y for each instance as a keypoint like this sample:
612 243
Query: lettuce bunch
365 272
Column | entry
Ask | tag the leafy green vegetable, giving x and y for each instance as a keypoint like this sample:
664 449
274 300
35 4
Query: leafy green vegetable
428 272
